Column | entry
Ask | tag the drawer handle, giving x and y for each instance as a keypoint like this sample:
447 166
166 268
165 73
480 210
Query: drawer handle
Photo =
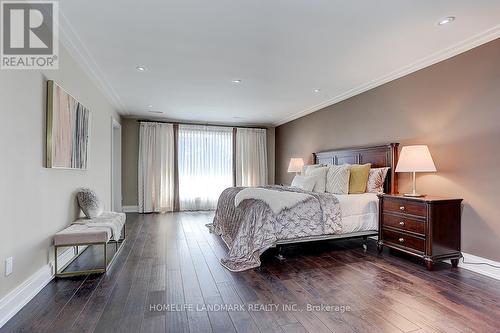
402 208
402 223
401 240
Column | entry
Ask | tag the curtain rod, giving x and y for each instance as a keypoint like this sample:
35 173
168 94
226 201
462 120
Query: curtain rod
205 124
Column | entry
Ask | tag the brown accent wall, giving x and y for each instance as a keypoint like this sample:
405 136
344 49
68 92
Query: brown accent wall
453 107
130 161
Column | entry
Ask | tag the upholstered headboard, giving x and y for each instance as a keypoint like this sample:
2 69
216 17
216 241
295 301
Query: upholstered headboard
379 156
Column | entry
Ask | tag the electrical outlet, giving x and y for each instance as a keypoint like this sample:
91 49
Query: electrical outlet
9 263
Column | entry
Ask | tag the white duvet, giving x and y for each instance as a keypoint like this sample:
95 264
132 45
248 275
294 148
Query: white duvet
276 200
359 212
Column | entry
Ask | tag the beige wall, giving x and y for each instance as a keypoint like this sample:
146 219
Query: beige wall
453 106
36 202
130 140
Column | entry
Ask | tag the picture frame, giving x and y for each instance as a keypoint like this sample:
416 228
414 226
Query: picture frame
67 129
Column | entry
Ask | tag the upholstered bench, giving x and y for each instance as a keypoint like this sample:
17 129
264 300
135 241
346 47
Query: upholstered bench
108 227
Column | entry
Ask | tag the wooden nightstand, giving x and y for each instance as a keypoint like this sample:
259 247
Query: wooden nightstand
427 227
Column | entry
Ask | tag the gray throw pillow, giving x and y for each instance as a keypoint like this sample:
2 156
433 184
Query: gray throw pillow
89 203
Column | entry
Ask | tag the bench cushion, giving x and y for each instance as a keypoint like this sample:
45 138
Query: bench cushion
80 234
108 225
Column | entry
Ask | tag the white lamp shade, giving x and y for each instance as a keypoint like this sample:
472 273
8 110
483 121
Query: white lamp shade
296 164
415 159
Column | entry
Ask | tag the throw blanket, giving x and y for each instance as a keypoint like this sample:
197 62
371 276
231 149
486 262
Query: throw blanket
110 221
276 200
252 227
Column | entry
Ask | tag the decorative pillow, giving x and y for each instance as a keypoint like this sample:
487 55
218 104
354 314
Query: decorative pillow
310 167
89 203
376 180
337 179
320 175
305 183
358 178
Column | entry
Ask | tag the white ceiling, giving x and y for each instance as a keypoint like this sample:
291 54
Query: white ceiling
281 50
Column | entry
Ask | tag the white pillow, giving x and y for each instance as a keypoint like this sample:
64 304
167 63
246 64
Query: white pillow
337 179
309 167
305 183
376 180
320 175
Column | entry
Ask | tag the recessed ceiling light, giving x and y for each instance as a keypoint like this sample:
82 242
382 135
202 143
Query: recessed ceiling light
141 68
150 106
446 20
236 81
316 90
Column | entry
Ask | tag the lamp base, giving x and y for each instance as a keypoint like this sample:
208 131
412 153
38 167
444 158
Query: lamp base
415 195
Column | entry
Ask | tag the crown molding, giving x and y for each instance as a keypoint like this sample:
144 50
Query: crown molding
460 47
76 48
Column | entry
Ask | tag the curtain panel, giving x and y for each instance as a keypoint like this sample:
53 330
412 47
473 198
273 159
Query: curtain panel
251 157
156 167
205 165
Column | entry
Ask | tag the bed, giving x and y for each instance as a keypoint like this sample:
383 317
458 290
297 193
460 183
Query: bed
250 226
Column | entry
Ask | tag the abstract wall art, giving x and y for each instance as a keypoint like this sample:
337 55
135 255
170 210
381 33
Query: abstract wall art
68 127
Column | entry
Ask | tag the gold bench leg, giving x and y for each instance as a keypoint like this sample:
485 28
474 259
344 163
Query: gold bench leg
118 244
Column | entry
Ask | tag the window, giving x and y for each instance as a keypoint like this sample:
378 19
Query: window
205 162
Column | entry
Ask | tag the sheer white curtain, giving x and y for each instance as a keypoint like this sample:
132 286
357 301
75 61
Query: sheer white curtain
251 157
205 165
156 167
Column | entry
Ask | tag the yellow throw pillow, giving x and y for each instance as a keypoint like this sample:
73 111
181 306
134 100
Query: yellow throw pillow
359 178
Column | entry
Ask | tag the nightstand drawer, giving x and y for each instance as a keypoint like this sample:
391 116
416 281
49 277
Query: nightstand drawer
405 207
404 240
426 227
404 223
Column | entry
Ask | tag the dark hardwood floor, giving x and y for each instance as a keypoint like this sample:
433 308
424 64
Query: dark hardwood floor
172 259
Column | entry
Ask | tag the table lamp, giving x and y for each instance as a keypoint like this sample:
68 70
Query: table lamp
296 164
415 159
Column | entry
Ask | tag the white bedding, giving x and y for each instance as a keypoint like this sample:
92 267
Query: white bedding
277 200
359 212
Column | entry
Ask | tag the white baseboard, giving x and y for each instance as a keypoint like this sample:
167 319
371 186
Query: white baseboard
130 209
63 258
19 297
481 269
14 301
